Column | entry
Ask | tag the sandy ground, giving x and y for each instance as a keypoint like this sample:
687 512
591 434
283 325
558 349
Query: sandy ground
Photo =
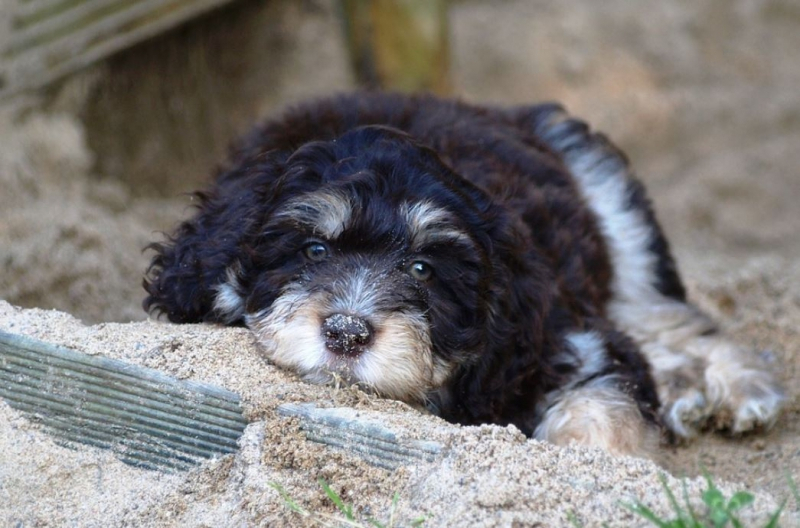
702 96
486 476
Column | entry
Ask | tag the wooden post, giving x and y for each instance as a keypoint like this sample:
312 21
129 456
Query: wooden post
399 44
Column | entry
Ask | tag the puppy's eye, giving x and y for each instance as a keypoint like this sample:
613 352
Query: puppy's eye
316 252
421 271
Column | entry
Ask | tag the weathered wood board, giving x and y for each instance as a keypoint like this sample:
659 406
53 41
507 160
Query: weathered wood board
43 40
344 428
154 421
148 419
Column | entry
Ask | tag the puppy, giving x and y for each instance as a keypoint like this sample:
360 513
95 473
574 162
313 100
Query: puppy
496 265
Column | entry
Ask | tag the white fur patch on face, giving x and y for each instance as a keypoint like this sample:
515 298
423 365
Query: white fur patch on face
327 213
289 332
357 292
598 415
429 224
398 363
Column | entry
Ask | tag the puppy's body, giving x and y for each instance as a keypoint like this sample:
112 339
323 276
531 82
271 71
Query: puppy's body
488 263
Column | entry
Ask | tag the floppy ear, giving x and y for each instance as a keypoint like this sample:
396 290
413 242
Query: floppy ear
194 275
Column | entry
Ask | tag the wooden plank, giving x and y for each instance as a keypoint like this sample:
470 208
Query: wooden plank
378 445
44 40
148 418
154 421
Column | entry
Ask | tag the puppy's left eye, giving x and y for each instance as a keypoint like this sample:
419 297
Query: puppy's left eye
316 252
421 271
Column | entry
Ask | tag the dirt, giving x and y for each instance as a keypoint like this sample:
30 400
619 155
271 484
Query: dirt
702 96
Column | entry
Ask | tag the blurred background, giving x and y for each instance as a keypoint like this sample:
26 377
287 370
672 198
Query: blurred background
111 111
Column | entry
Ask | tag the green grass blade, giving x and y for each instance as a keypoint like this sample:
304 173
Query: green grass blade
715 502
795 491
672 500
647 513
740 500
573 519
689 508
347 517
773 521
737 502
393 509
419 521
287 499
346 510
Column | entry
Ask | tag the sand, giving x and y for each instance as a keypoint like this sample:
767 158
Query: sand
703 97
485 476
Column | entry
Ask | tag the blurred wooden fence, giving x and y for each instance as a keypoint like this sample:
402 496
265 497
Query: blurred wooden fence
43 40
394 44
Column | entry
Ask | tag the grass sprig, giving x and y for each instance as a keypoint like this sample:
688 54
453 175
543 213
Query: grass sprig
347 515
720 511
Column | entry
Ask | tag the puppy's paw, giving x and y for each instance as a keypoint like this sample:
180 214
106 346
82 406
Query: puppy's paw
687 413
684 407
746 398
681 388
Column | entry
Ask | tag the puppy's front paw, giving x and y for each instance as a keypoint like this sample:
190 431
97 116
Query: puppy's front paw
686 413
743 391
729 389
746 398
685 409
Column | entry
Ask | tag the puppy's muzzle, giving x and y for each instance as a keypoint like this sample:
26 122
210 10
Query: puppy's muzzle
346 335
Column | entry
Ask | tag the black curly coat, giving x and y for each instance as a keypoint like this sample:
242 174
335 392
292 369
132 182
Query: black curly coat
535 268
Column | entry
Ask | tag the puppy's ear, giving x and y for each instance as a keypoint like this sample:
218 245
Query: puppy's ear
195 274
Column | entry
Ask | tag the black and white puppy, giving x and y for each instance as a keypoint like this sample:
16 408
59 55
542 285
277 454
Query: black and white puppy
495 265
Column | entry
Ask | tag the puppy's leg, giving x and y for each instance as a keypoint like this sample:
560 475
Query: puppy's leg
698 372
598 415
607 400
711 377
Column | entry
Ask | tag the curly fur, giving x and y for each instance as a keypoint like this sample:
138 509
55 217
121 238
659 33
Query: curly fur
529 267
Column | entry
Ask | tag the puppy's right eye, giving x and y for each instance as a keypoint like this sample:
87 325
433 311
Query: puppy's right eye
316 252
422 271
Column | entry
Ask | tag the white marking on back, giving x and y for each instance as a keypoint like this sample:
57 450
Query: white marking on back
604 180
604 183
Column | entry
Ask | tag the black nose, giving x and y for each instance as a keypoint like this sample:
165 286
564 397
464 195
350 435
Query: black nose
346 334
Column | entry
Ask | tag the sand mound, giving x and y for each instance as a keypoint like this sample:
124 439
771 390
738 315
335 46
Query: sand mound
484 476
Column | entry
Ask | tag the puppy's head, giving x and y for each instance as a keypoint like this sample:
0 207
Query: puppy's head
364 258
